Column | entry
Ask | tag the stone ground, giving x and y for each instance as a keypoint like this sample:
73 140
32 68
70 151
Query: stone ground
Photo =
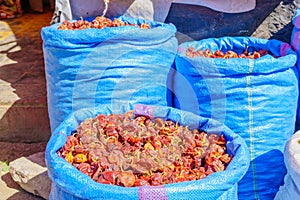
22 96
9 189
23 102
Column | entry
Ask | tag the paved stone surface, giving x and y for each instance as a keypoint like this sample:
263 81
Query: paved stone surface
23 101
24 123
31 174
9 152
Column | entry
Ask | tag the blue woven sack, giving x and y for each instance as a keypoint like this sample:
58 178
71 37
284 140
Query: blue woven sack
295 43
111 65
69 183
256 98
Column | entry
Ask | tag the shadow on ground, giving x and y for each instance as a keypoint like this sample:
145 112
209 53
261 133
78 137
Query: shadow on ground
21 194
25 117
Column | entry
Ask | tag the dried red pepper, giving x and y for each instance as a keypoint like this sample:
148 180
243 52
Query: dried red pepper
99 22
192 52
122 150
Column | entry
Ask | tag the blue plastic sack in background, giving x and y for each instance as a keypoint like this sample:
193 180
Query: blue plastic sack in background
90 67
295 43
70 183
256 98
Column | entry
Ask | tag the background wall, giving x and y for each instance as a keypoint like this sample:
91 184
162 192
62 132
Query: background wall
270 19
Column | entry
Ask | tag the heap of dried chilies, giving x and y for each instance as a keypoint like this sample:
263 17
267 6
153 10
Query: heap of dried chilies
192 52
99 22
121 150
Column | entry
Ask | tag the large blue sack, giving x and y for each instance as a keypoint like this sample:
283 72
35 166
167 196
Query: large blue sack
256 98
107 66
295 43
69 183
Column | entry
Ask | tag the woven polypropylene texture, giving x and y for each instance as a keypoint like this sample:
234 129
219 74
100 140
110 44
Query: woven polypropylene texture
256 98
69 183
295 43
90 67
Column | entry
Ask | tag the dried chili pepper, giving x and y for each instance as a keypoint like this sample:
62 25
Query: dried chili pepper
129 152
192 53
99 22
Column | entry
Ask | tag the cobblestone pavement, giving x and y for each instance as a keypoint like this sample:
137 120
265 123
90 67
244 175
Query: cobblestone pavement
22 96
9 189
23 102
